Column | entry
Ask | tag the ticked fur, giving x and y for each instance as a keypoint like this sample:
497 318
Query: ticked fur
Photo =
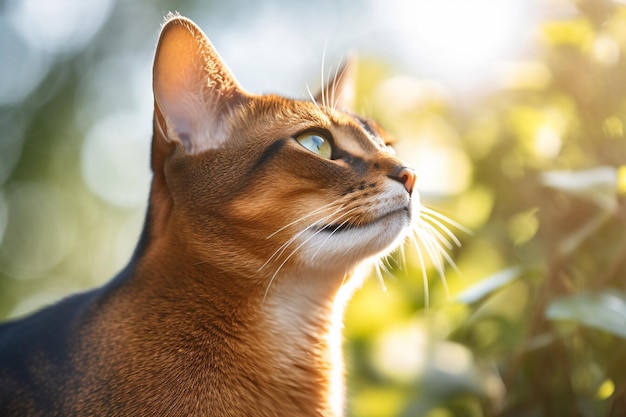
233 301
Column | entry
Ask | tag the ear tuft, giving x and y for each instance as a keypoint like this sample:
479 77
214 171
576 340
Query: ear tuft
171 15
193 88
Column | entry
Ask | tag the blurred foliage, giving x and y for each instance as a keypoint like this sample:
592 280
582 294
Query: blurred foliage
532 321
536 321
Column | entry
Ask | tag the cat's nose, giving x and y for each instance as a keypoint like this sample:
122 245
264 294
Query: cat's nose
405 176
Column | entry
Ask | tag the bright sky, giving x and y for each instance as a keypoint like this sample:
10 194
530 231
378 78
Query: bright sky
459 42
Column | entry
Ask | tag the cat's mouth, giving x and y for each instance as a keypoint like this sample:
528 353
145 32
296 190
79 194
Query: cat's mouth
347 225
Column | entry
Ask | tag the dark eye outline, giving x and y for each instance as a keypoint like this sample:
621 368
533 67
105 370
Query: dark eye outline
322 133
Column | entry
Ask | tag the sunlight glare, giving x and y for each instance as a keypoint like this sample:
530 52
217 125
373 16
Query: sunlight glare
548 142
433 163
401 352
460 40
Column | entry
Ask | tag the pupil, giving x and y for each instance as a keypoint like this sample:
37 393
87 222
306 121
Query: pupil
317 142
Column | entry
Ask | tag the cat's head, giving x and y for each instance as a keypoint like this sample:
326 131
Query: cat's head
264 183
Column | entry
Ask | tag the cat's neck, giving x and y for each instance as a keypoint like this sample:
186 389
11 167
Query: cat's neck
305 334
308 332
287 339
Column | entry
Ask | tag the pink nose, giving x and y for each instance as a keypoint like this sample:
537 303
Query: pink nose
407 177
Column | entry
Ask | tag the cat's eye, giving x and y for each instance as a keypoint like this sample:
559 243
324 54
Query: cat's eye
316 143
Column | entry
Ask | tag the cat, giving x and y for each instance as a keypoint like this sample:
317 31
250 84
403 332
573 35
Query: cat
264 214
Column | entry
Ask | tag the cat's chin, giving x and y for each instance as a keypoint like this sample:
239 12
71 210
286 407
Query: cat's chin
334 228
344 246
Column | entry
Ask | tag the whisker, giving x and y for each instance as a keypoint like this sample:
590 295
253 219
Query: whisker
344 279
336 82
317 232
289 257
420 257
284 246
442 227
343 215
430 244
388 265
322 75
382 269
312 213
446 219
312 96
443 253
435 238
436 253
424 223
442 241
402 252
331 87
440 237
334 87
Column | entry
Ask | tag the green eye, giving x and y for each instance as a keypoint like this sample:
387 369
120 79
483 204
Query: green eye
316 143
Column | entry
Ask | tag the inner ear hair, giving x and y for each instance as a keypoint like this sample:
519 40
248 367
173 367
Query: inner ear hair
339 90
193 88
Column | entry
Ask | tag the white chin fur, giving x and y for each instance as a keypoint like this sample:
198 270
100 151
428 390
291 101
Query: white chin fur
344 249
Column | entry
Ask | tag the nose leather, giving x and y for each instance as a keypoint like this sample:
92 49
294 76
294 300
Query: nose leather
405 176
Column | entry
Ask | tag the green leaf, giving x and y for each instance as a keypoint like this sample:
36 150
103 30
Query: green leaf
598 185
604 311
488 285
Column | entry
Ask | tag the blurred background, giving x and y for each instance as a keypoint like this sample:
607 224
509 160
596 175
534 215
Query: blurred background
512 111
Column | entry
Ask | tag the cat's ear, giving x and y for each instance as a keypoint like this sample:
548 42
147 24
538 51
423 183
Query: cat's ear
193 88
339 92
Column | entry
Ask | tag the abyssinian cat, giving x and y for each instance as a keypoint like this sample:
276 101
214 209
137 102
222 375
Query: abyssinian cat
263 212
